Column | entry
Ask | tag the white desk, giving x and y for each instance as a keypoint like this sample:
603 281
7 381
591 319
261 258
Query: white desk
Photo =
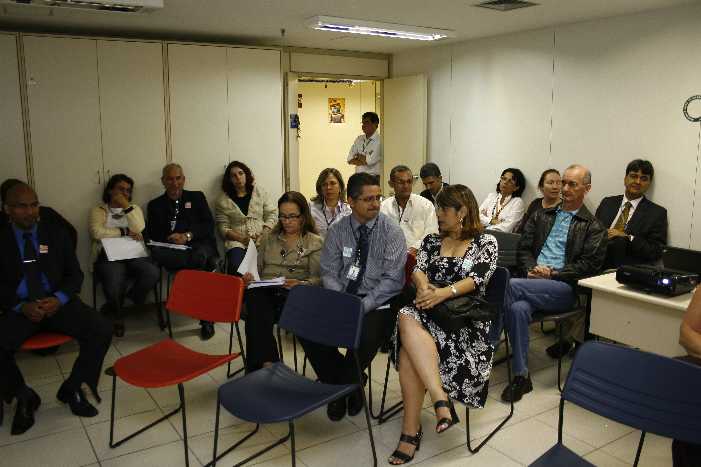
648 322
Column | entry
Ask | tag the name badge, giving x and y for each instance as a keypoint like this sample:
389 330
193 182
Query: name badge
347 252
353 272
188 205
43 249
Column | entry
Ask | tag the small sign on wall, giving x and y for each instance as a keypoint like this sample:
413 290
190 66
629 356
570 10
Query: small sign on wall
337 110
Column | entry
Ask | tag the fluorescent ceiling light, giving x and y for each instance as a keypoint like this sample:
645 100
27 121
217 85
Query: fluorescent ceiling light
372 28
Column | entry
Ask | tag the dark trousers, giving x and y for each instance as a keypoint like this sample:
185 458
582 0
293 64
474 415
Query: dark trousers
263 307
686 454
116 275
74 319
332 367
201 256
233 259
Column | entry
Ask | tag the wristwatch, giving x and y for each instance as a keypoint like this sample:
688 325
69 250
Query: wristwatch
453 290
188 236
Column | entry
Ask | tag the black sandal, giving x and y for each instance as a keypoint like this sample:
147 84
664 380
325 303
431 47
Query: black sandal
398 455
446 422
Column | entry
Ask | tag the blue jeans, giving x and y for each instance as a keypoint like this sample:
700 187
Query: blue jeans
523 297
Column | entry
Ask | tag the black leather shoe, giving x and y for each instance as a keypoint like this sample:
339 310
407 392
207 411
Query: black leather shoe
519 386
76 401
24 415
559 349
207 330
336 410
355 403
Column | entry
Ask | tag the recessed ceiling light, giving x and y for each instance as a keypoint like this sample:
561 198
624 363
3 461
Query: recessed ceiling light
373 28
505 5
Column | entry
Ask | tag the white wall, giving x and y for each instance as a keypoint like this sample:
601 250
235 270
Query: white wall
613 88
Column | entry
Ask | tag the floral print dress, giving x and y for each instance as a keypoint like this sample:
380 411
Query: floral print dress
465 355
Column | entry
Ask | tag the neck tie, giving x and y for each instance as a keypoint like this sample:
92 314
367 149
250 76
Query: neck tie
35 289
362 259
623 218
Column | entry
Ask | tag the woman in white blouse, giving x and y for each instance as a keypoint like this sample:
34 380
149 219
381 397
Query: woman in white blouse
503 209
329 205
243 212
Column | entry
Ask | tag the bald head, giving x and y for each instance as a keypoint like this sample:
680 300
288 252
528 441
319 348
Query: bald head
22 206
576 183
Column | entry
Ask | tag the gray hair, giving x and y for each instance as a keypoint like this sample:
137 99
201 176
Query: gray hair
169 166
587 172
397 169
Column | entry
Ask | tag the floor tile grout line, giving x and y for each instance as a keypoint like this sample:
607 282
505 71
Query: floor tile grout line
92 446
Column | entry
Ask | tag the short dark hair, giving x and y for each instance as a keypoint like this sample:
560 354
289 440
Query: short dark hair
518 178
323 175
457 196
114 179
541 181
357 181
641 165
372 116
226 184
430 169
295 197
396 169
6 187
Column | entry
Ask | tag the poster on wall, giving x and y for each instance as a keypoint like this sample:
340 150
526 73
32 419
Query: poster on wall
337 110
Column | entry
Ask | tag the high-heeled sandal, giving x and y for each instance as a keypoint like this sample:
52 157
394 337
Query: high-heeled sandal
404 458
446 422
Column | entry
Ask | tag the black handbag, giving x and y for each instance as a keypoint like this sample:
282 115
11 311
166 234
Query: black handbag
457 313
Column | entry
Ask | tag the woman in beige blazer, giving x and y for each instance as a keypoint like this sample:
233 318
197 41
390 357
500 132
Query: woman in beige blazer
242 212
291 250
117 217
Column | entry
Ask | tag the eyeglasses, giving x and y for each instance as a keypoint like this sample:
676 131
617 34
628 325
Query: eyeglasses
289 217
370 199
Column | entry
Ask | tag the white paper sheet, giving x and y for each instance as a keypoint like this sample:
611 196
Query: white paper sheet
121 248
277 282
173 246
250 261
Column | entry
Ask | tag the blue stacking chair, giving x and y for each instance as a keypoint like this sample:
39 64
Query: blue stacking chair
279 394
646 391
496 289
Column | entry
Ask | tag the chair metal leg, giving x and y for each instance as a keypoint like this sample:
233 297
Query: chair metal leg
113 443
241 441
229 374
640 449
384 414
159 307
216 433
294 352
474 450
366 409
559 359
279 344
181 393
292 442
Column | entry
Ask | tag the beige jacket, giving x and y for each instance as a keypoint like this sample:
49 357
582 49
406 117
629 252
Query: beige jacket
305 267
229 217
98 230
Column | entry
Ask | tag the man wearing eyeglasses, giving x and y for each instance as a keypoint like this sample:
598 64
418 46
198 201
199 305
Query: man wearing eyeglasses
364 254
414 214
182 218
559 246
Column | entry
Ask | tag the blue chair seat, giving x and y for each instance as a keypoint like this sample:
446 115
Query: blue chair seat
559 455
277 394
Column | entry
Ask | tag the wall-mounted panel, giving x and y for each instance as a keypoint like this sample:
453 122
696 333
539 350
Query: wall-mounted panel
339 65
13 161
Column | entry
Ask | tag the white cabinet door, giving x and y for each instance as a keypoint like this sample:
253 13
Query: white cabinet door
255 116
198 114
12 162
64 121
132 113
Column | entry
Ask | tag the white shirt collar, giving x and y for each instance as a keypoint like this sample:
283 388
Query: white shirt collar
634 202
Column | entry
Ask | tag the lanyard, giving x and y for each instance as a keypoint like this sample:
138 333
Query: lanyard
365 144
174 221
495 213
285 253
323 211
401 211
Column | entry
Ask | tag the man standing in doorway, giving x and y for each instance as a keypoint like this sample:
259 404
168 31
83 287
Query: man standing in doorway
366 152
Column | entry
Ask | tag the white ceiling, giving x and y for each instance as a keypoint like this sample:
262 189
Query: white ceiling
259 21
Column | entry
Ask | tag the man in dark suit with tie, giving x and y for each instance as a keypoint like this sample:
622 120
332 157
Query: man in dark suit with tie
637 227
39 281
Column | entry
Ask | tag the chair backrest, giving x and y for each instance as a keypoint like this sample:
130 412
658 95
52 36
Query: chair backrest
496 288
207 296
508 246
409 269
646 391
323 316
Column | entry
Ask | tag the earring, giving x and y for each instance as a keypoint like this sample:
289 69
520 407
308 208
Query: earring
460 220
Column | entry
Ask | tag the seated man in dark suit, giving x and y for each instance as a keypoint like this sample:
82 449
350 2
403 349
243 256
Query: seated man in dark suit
432 179
182 217
46 214
39 281
637 227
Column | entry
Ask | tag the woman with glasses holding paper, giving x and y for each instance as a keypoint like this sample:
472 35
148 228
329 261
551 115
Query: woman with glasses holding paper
242 212
503 208
291 250
116 217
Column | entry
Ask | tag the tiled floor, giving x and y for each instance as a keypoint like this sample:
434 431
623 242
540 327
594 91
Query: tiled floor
60 439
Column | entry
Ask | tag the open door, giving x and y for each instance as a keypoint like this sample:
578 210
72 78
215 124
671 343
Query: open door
404 125
292 133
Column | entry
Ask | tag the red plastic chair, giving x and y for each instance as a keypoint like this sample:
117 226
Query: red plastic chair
41 340
201 295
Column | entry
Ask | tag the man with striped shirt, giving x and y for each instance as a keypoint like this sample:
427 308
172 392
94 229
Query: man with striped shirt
364 255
